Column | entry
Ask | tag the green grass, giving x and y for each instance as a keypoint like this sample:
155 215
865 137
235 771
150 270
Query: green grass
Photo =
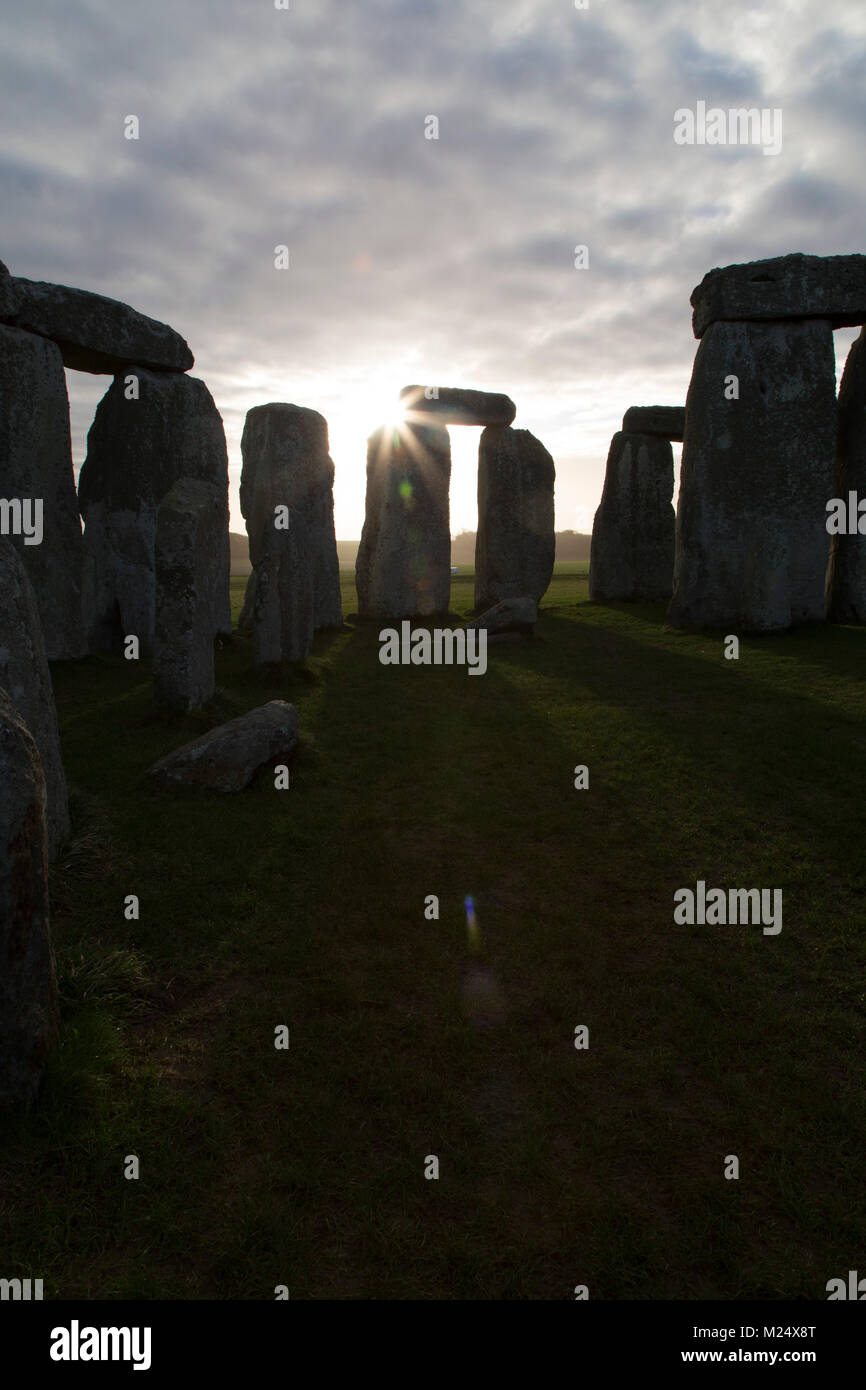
306 907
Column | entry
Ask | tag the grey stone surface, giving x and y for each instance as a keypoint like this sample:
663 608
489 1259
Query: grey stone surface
454 406
667 421
189 527
515 543
757 472
94 333
510 615
782 288
846 573
136 451
294 586
227 758
36 464
28 987
25 677
632 547
403 566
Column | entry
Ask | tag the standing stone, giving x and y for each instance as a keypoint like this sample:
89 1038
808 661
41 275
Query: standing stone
515 544
294 587
187 560
757 472
403 566
451 405
25 677
36 464
136 451
632 548
28 987
846 574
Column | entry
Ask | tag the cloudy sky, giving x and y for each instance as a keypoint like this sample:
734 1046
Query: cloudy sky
446 261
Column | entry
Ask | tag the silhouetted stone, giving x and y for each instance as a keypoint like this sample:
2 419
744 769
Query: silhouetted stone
757 472
453 406
25 677
94 333
632 547
783 287
227 758
511 615
36 464
403 566
666 421
846 574
136 451
515 543
28 988
294 586
189 528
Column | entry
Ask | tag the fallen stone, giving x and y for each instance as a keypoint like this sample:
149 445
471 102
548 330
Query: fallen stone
36 473
783 287
846 573
403 566
511 615
294 586
515 543
94 333
227 758
632 548
454 406
136 451
28 987
666 421
25 677
757 472
187 562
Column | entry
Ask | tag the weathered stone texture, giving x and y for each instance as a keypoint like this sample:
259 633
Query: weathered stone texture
632 547
782 288
515 543
452 405
136 451
36 464
25 677
403 567
757 472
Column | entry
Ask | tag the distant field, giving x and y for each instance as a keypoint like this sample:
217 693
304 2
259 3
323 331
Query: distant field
307 907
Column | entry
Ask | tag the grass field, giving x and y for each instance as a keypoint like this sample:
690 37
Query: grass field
305 907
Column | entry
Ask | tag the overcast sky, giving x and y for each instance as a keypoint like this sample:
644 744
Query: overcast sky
446 261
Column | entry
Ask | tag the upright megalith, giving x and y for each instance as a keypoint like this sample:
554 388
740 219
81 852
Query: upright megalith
94 333
38 505
632 548
783 288
666 421
287 500
150 430
515 543
403 566
451 405
846 574
25 677
187 561
28 987
757 471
